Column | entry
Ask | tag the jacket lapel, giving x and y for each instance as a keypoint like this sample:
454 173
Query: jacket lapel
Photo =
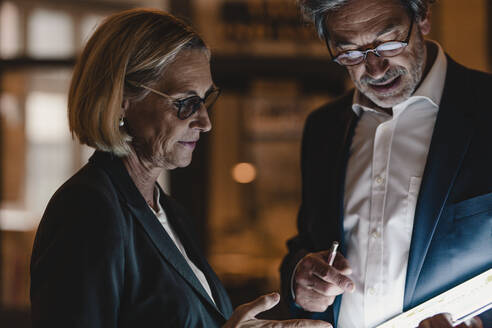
168 250
450 141
152 227
176 217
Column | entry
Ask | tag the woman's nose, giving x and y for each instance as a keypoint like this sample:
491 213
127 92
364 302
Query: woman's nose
202 120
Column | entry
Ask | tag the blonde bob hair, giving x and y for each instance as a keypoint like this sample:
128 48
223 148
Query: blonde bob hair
133 45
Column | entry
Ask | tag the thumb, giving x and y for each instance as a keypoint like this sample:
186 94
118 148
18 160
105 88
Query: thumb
261 304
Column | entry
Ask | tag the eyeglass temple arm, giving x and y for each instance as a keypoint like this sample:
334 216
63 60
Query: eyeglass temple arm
140 85
327 40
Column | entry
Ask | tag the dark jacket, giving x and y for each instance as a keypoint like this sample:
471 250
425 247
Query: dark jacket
452 233
102 259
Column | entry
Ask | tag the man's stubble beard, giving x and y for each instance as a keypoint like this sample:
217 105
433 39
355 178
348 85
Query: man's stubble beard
410 79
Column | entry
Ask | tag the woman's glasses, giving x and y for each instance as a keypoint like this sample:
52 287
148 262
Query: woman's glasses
189 105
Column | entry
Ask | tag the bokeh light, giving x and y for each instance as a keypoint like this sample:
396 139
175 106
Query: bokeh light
244 172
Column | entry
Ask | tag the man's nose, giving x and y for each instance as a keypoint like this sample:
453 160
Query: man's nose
376 66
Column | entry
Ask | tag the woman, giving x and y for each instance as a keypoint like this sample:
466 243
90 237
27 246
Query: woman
112 250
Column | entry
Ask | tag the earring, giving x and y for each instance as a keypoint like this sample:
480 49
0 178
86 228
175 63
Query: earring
122 121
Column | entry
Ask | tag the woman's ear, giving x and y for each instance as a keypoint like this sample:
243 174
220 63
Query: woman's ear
125 104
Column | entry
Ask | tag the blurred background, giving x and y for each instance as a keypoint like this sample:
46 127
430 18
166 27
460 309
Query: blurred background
243 186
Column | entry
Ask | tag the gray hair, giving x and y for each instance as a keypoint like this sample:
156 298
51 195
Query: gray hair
316 10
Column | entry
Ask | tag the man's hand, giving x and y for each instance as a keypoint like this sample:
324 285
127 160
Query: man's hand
245 316
444 320
316 283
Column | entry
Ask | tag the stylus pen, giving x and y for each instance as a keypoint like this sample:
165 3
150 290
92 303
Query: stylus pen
333 252
331 258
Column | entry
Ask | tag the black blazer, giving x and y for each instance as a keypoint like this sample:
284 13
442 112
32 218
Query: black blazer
102 259
452 232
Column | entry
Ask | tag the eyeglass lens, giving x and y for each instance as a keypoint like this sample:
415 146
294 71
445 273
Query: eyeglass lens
191 105
387 49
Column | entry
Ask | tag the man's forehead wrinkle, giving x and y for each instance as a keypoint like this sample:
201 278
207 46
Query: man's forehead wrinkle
365 12
370 28
346 25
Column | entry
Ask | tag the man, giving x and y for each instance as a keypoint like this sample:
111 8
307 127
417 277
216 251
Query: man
397 171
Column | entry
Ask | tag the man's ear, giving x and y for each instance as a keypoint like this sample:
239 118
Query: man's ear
425 23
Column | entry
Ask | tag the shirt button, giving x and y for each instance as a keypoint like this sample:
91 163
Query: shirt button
371 291
379 180
375 234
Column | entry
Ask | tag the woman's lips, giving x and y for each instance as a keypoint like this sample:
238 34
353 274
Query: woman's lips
189 144
388 86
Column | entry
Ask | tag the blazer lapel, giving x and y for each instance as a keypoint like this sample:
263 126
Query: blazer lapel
450 141
157 234
168 250
220 295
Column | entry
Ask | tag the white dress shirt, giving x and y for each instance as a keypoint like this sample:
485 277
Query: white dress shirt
387 159
161 216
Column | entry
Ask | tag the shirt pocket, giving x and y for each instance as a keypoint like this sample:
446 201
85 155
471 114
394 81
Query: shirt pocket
473 207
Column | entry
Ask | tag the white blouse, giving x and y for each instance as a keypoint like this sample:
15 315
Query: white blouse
161 216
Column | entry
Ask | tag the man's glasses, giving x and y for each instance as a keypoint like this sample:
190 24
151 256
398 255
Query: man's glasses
189 105
385 49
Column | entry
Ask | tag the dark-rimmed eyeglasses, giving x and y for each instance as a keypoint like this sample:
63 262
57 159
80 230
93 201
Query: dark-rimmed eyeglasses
355 57
189 105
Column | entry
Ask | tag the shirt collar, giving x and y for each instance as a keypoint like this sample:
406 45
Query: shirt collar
430 89
157 197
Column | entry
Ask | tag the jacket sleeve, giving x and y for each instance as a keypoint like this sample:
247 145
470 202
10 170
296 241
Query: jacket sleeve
299 245
77 265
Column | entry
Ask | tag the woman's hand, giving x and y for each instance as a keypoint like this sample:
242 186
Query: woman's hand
245 316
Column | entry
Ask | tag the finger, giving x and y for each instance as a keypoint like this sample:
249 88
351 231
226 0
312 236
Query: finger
317 265
314 264
314 261
474 322
261 304
303 324
318 285
442 320
333 276
325 255
342 264
312 301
